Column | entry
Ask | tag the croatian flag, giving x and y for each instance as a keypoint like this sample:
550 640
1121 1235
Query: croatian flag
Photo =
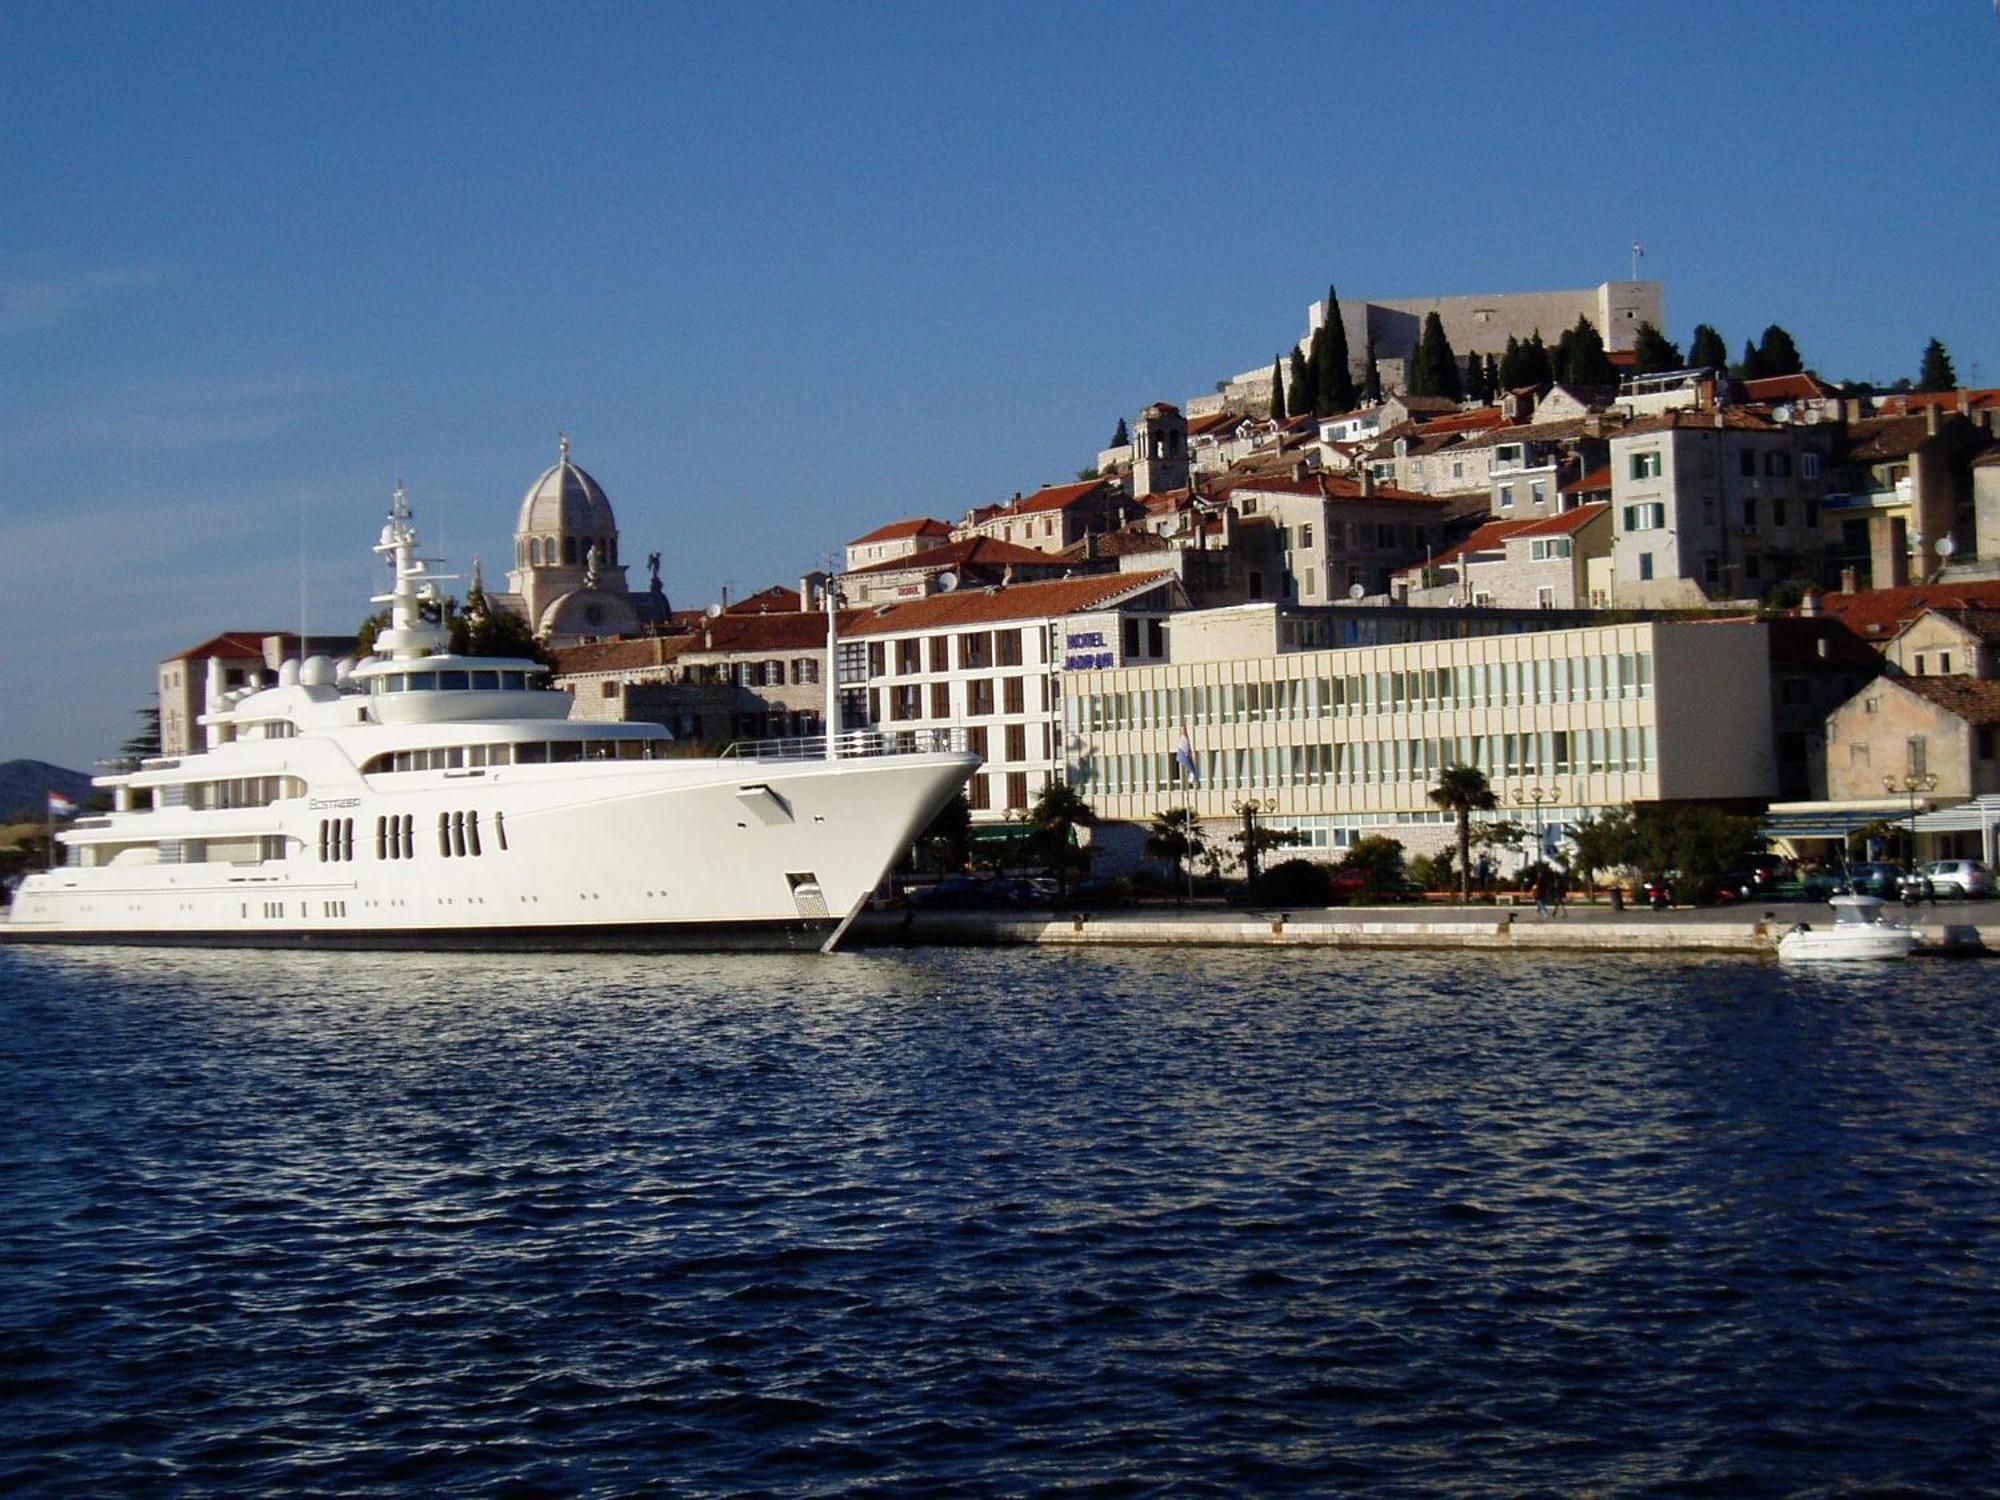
60 806
1184 753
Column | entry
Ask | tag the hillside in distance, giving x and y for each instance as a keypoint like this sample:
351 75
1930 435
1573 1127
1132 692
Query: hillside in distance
26 784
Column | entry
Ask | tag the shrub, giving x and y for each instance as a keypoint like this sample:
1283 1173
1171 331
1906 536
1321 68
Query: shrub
1297 882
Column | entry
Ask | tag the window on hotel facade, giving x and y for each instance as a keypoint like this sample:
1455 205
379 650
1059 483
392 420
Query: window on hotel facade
940 653
905 702
909 658
1809 466
940 700
975 650
1646 465
1007 643
878 663
979 793
1014 695
975 740
979 697
1017 789
1017 742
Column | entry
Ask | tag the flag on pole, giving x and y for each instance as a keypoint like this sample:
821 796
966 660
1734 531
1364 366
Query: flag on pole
60 806
1184 753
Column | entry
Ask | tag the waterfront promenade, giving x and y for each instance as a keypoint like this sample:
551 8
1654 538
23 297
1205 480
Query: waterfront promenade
1958 928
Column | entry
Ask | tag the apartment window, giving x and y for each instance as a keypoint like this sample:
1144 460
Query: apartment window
1746 464
940 700
1749 512
1809 466
1545 598
1506 497
1013 695
1017 742
1008 645
1305 536
1017 789
1711 568
1778 465
1646 465
905 701
1539 493
1777 512
1645 566
1650 517
1546 549
1944 663
1753 568
979 697
1918 754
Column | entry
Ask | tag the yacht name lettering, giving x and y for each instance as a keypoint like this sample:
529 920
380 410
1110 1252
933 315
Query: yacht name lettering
317 803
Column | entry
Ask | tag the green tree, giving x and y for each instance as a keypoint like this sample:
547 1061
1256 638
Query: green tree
946 840
1653 353
1380 861
1278 389
1334 389
1579 357
1493 384
1475 379
1536 366
1605 842
1751 366
1054 819
1706 351
1176 836
1371 389
1689 843
1121 436
1434 369
481 630
1300 385
1778 354
145 740
1462 791
1254 840
1937 373
1512 371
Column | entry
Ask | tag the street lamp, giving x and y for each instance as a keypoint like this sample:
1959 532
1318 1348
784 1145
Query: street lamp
1538 797
1249 808
1909 786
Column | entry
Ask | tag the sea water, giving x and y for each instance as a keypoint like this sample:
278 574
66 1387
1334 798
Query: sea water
996 1222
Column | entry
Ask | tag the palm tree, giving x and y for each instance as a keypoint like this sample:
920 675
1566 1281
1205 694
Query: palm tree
1464 790
1058 812
1176 835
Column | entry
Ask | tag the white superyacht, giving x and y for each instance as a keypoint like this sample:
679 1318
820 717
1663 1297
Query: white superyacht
421 799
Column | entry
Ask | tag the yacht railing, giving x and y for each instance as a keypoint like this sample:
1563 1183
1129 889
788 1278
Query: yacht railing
853 745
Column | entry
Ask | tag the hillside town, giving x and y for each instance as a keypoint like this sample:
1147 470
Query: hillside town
1521 532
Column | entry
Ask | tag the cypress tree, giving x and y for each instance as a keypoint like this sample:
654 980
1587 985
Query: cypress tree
1588 364
1371 389
1778 354
1706 351
1278 387
1937 373
1536 367
1512 374
1316 359
1475 379
1301 384
1335 385
1434 370
1565 351
1752 365
1121 438
1653 353
1493 386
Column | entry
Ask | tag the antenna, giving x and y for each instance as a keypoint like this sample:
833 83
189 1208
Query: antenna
302 578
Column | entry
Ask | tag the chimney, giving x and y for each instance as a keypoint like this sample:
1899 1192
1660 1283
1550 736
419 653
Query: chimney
1367 481
1931 420
1964 402
1889 551
1809 605
1299 469
1847 580
1720 420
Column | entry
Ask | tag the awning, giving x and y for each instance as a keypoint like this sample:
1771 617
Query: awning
1828 820
1976 816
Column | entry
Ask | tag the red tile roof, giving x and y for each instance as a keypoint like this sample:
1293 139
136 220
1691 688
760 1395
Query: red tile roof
1490 537
231 645
1464 421
896 531
1055 497
1596 479
1215 421
1879 613
1909 401
972 551
1800 387
1563 523
1734 418
775 600
1021 601
1330 486
1973 699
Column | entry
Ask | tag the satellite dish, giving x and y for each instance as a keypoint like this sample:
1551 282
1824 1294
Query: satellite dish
947 581
1946 546
714 611
1356 591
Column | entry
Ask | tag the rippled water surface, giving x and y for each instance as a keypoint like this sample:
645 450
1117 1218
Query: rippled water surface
996 1222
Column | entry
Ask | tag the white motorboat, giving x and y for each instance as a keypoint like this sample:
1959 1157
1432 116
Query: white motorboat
1857 933
420 799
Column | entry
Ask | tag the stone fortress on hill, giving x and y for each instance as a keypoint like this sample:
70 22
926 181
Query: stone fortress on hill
1475 325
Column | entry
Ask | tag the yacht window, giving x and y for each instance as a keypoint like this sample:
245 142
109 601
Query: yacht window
498 755
444 834
454 681
472 833
534 754
475 755
500 829
423 682
564 751
454 758
458 833
486 681
513 681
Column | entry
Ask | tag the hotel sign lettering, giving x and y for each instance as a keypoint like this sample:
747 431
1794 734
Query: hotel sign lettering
1084 649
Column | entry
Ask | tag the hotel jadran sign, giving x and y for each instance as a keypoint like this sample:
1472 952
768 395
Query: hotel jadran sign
1084 649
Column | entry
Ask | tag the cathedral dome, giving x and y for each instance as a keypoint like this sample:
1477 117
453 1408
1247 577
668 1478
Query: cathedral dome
565 501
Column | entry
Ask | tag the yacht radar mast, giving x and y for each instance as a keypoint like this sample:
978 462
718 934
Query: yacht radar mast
409 636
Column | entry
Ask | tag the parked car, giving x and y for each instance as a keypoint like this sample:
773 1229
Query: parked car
1958 879
1874 879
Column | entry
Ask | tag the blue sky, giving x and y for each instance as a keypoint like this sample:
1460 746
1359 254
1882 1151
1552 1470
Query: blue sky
787 272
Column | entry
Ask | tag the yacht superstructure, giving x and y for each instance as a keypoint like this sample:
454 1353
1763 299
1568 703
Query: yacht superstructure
421 799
